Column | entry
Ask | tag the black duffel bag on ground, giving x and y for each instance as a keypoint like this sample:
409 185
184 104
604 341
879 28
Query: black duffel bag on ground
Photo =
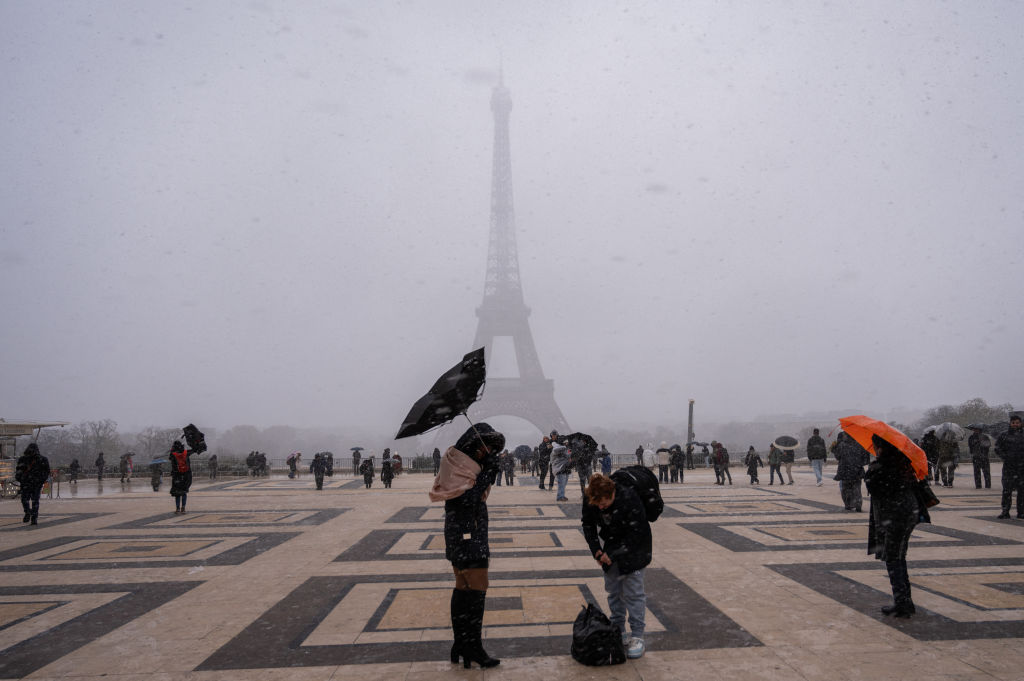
595 641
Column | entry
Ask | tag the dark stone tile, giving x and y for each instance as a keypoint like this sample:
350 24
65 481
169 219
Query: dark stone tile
25 657
275 639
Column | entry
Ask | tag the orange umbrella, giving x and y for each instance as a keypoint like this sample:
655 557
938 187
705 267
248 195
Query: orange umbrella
861 428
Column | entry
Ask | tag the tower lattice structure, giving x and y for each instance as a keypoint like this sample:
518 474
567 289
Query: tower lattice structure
530 395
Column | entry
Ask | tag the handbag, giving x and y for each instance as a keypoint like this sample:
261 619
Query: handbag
925 496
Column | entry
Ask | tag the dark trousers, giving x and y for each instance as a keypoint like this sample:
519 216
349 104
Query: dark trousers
849 490
726 474
981 467
772 470
542 466
1013 481
509 475
437 466
899 580
30 500
319 477
662 473
584 473
946 471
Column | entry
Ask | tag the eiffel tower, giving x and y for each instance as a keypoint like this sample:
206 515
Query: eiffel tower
530 396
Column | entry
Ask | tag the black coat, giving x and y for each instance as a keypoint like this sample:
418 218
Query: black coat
466 542
816 448
895 508
852 458
621 531
1010 448
32 471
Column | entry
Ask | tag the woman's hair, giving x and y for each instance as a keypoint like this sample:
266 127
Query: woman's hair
600 486
883 448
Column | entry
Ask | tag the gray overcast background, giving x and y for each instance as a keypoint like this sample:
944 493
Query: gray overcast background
262 213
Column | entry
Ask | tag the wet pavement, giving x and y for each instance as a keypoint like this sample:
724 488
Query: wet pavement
271 579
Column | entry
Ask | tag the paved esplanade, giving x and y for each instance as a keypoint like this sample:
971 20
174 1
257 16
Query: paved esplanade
270 579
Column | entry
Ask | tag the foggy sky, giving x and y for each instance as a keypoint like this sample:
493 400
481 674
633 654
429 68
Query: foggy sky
258 213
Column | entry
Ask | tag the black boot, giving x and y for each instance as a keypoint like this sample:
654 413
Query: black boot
472 646
458 609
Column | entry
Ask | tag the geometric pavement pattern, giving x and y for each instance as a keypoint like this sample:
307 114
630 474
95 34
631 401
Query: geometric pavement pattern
748 582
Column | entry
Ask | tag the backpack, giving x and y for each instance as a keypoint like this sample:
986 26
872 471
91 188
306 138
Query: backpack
642 481
595 641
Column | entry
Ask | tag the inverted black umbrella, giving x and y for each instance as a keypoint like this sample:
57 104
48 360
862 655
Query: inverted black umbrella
450 396
195 439
356 449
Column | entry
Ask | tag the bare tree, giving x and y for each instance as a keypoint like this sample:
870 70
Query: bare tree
153 441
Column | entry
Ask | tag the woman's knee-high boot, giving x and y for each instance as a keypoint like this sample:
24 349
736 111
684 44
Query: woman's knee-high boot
473 649
459 605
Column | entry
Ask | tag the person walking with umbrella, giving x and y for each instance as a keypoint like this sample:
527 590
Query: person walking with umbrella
468 470
895 511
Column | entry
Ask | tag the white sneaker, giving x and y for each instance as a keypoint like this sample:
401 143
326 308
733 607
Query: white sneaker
820 484
636 648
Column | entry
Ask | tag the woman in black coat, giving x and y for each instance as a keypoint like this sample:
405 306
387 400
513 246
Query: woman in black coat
181 475
895 511
463 481
387 473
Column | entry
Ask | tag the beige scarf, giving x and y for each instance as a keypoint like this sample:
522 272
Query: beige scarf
456 474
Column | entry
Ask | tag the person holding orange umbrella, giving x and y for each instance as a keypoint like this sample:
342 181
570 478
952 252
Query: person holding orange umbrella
894 481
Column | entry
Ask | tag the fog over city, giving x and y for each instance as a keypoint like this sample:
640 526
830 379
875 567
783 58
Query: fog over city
277 213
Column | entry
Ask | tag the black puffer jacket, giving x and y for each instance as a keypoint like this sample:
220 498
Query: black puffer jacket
624 530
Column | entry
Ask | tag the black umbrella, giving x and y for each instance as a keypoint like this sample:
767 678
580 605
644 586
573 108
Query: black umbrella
523 451
357 449
450 396
787 442
582 440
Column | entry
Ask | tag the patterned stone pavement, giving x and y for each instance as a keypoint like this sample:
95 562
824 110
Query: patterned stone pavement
271 579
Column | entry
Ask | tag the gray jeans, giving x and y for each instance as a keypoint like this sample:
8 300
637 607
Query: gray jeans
626 594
